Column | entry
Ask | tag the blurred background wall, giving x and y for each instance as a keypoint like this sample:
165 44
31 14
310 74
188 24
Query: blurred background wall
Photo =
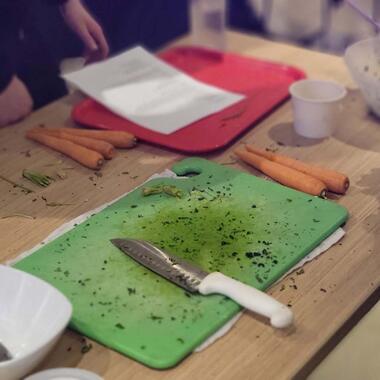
326 25
329 25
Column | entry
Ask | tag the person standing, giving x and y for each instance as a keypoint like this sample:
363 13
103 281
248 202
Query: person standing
28 69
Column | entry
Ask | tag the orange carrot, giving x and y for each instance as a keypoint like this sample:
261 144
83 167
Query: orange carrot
287 176
84 156
118 139
335 181
106 149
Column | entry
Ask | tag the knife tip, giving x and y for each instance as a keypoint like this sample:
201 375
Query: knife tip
116 241
121 241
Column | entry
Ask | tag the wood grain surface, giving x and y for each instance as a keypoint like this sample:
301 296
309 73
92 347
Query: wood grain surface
323 296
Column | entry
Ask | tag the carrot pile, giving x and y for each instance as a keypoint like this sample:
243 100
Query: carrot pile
298 175
88 147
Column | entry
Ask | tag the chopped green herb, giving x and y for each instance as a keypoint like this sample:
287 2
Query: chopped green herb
259 279
39 179
171 190
86 348
155 317
146 191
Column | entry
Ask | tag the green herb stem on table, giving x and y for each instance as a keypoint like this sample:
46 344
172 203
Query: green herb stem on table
39 179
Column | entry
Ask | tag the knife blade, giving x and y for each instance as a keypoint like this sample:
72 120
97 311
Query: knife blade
193 279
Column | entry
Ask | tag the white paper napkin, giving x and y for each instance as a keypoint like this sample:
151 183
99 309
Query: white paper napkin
140 87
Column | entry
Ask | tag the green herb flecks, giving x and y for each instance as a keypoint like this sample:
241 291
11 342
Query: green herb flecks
171 190
222 232
146 191
86 348
39 179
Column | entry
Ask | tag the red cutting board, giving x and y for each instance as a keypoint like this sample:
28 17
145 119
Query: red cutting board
265 85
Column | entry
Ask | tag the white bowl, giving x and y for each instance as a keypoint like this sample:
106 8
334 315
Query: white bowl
363 61
33 315
64 374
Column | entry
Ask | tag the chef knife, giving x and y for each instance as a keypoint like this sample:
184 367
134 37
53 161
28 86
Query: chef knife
194 279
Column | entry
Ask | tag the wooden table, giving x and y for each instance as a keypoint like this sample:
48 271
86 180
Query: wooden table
329 292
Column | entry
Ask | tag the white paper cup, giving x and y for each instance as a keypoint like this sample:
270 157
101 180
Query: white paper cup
317 107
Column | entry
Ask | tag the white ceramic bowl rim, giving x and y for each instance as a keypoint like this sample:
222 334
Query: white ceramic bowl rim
55 373
353 46
362 59
58 330
295 91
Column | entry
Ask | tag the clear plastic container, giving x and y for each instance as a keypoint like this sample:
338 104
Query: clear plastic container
208 23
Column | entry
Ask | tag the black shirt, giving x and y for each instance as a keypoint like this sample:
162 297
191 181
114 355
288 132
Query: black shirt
25 50
9 27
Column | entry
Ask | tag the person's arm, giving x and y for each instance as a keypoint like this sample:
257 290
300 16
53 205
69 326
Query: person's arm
79 19
83 24
15 102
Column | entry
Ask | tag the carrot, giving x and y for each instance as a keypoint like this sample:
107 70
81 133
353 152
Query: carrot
118 139
106 149
84 156
335 181
287 176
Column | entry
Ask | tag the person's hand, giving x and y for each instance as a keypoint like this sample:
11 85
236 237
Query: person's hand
15 102
88 30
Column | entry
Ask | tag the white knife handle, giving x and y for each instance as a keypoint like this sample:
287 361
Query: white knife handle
249 297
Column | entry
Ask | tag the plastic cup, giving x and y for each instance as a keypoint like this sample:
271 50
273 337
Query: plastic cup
317 107
208 23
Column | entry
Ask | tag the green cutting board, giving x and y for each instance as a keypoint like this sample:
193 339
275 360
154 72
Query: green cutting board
228 221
